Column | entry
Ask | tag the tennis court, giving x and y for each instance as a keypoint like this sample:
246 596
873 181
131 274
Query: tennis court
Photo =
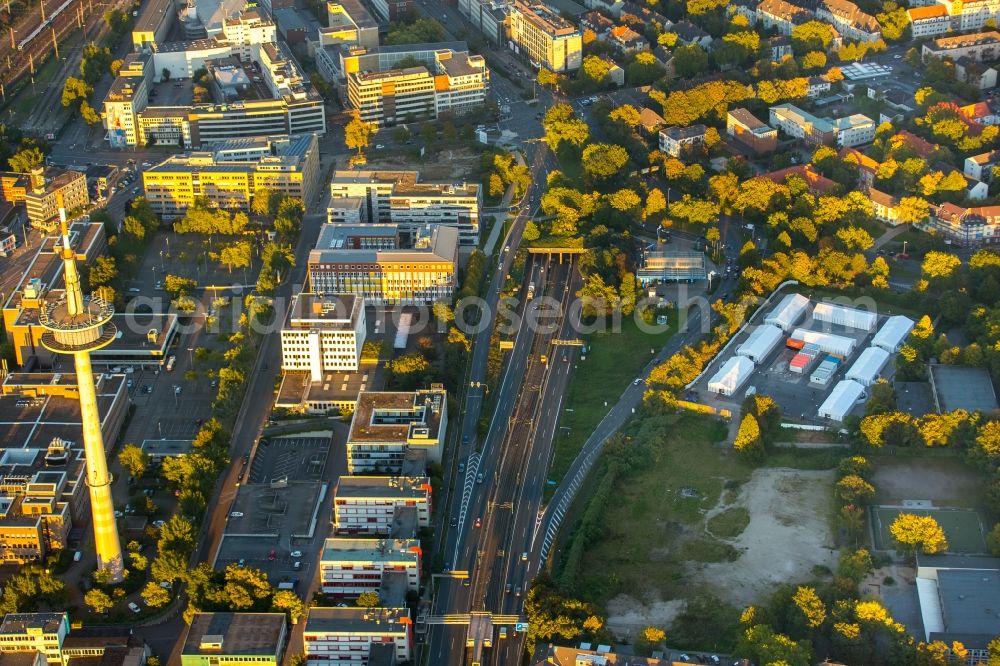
964 528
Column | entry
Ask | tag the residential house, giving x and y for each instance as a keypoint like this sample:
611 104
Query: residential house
751 132
867 167
676 140
636 14
817 87
970 14
980 46
781 46
976 190
690 34
626 40
848 18
782 15
650 121
920 146
975 74
817 183
745 8
968 227
980 167
983 113
615 73
597 23
885 207
930 21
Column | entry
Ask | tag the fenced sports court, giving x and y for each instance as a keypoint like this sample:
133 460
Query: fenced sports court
964 528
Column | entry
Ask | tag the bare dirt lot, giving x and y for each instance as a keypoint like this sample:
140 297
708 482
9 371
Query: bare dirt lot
787 535
944 481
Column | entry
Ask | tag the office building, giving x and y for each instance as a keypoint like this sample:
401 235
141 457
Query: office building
848 131
229 176
323 334
353 636
854 130
545 37
490 17
348 567
344 261
368 505
349 24
455 83
35 632
387 424
402 199
751 132
235 639
40 191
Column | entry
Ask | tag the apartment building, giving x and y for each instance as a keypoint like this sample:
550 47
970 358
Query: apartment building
402 199
967 227
348 567
867 167
980 167
979 47
848 18
456 83
127 96
854 130
226 179
40 190
323 333
35 632
546 37
490 17
751 132
971 14
929 21
676 140
781 15
235 639
357 636
387 424
344 261
367 505
337 61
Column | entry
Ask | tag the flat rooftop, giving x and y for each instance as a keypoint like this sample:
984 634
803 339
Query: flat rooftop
357 620
333 311
345 549
19 623
151 14
335 246
241 633
391 416
383 487
970 601
297 388
963 388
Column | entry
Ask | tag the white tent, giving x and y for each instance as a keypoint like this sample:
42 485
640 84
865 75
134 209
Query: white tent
868 366
837 345
731 376
841 400
788 311
844 316
893 332
760 343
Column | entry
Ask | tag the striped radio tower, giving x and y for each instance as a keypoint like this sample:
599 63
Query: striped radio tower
78 325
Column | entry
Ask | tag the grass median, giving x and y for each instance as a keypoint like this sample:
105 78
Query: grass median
614 360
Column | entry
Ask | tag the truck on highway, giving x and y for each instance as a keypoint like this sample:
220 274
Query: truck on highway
170 363
531 290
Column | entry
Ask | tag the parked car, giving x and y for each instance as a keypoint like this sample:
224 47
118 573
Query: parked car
236 514
296 553
134 607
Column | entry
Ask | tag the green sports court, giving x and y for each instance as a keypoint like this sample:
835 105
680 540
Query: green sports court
964 528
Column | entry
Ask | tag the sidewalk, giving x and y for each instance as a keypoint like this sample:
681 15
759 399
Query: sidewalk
501 218
890 235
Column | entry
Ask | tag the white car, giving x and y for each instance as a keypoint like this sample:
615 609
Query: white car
134 607
296 553
236 514
379 146
637 381
118 514
159 523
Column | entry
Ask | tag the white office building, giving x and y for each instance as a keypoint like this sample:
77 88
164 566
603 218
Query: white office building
349 567
323 334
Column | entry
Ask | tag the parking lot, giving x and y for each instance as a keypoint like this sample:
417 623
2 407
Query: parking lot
278 517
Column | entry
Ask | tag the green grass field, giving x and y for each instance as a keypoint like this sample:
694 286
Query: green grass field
613 360
963 527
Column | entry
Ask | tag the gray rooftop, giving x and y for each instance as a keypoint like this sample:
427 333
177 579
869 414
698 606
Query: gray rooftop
370 550
383 487
970 601
963 388
241 633
357 620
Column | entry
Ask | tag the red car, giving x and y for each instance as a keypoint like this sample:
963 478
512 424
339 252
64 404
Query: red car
272 556
479 522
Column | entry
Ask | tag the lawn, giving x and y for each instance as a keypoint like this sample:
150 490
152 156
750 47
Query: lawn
613 360
653 527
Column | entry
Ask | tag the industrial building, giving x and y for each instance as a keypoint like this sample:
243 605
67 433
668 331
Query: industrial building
402 199
787 313
844 397
358 636
671 266
368 505
235 639
389 272
762 341
348 567
387 424
323 334
838 345
868 366
731 376
845 316
893 333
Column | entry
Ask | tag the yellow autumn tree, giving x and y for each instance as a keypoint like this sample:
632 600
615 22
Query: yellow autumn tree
810 605
748 442
921 533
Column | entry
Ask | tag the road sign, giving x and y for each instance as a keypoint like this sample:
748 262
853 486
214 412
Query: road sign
521 626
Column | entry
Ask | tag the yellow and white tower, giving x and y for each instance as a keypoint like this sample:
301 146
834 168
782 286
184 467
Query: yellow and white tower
77 325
